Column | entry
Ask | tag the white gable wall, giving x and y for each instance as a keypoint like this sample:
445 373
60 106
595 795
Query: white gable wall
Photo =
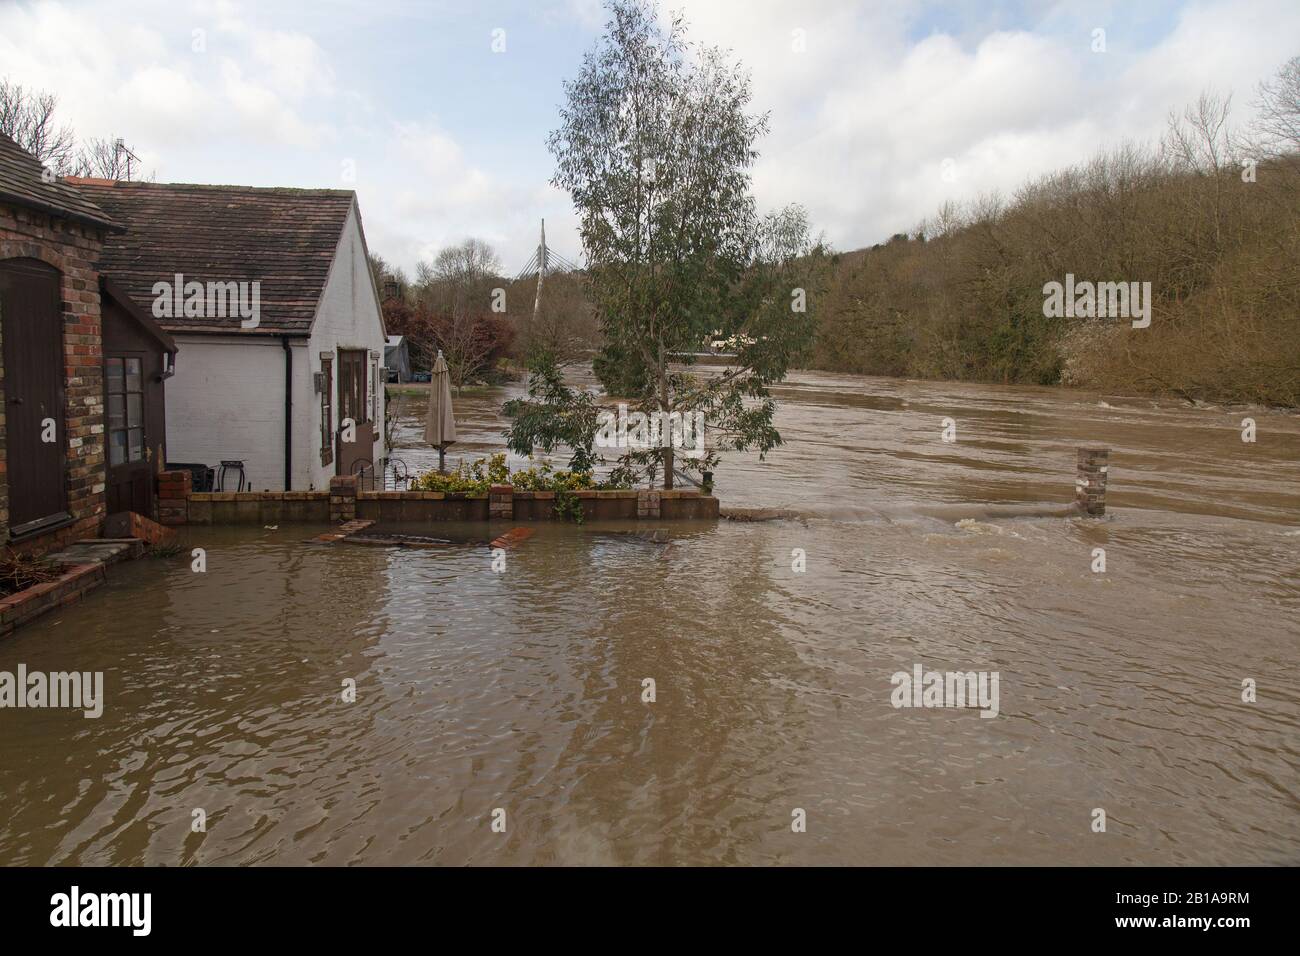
226 400
348 318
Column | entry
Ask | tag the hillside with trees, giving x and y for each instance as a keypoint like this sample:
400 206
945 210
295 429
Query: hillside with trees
1209 217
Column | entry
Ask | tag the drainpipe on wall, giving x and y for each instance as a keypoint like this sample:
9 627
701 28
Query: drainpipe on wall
288 413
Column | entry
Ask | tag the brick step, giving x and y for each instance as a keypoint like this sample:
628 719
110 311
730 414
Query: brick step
128 524
103 551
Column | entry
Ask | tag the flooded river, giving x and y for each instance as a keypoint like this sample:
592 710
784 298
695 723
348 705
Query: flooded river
523 690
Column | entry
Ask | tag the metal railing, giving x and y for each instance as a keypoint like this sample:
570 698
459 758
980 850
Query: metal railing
391 475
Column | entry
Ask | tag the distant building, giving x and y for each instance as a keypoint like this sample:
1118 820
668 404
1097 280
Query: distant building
397 359
722 343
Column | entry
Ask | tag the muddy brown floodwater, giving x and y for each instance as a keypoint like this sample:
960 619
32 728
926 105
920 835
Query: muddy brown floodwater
522 690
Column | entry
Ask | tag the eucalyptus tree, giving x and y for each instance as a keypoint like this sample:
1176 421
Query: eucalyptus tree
656 147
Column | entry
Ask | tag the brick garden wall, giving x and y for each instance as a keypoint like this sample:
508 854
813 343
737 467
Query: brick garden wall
343 502
68 588
74 250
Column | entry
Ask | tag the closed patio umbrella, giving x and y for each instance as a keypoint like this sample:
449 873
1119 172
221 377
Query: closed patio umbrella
440 421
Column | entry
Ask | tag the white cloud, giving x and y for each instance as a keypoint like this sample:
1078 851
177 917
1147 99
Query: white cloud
115 76
862 119
164 99
294 63
260 110
590 14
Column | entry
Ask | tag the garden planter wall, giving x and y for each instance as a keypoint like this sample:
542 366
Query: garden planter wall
36 600
344 502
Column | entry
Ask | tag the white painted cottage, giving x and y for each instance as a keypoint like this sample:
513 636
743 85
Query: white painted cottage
271 300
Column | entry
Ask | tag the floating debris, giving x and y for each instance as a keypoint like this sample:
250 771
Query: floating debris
513 537
398 540
758 514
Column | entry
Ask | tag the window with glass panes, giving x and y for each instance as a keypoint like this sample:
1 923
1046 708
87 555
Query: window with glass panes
125 411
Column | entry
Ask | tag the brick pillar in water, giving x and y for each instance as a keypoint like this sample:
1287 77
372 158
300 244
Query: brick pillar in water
1090 485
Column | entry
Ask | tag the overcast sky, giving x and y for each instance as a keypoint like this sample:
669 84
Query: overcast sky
445 138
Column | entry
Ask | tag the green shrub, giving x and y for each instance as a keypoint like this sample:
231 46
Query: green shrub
474 480
485 472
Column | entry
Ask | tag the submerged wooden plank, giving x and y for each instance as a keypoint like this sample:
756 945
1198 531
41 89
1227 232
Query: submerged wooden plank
348 528
513 537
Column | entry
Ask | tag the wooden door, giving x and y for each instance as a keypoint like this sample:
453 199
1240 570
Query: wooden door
32 318
353 404
130 470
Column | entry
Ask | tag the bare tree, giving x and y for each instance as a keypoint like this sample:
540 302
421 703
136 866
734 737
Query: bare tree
464 275
1199 139
1277 124
456 290
564 327
105 159
27 117
1201 142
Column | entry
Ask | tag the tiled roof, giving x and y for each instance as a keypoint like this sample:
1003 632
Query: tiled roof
283 238
22 183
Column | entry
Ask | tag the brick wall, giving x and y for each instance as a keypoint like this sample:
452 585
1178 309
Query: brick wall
73 249
66 589
344 502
